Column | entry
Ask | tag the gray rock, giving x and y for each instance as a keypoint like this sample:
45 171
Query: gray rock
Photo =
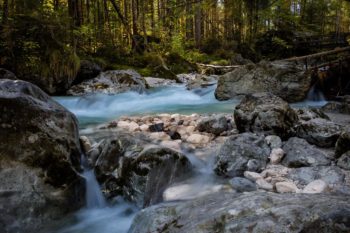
343 143
318 131
344 161
38 150
248 212
338 107
146 175
332 175
299 153
215 125
88 70
240 153
265 113
286 80
273 141
111 82
306 114
201 81
242 184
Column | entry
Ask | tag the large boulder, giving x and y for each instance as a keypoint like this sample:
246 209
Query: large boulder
146 176
39 154
265 113
248 212
320 132
240 153
127 165
88 70
111 82
299 153
332 175
284 79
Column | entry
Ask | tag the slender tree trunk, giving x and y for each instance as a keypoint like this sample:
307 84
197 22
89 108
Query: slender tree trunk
5 13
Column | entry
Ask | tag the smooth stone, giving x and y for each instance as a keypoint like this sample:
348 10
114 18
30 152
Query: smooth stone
242 184
286 187
198 139
158 127
316 186
273 141
276 155
263 184
253 176
85 142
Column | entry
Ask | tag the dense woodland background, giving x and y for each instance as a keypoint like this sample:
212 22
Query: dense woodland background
51 37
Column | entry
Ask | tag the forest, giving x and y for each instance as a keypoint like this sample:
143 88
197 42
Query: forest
51 37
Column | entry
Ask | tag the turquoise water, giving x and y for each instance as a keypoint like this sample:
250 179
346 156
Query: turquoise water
99 108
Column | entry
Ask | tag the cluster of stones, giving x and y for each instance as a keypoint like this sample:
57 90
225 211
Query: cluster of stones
176 131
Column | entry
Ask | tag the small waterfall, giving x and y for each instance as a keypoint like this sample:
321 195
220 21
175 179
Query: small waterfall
93 195
315 94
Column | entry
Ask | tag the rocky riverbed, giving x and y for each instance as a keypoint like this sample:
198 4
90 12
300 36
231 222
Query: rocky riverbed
262 166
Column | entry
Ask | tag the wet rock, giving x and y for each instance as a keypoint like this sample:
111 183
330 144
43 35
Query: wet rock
273 141
39 154
85 142
242 184
88 70
158 127
240 153
174 135
146 175
215 125
344 161
158 82
307 114
316 186
299 153
276 155
338 107
265 113
283 79
343 143
332 175
286 187
318 131
248 212
111 82
201 81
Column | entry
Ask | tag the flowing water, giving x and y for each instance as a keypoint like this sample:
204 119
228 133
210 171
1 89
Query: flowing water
99 108
98 217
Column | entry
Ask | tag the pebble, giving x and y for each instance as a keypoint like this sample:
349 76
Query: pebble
273 141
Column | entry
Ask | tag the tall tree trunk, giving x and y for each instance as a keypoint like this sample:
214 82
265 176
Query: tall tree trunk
189 21
198 25
5 13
